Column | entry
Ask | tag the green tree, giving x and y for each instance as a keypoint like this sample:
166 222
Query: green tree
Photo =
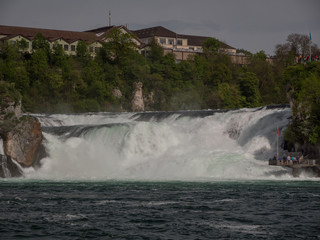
59 57
303 88
249 87
230 96
211 46
82 50
156 52
118 47
22 44
40 43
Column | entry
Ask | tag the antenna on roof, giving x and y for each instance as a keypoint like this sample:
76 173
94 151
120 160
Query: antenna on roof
109 18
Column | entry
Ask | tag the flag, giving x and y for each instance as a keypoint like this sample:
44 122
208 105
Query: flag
278 132
310 36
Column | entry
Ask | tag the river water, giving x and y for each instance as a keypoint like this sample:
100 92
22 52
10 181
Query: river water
159 210
161 175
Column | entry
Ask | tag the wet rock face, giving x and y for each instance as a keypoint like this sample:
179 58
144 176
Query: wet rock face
137 104
21 142
8 168
21 135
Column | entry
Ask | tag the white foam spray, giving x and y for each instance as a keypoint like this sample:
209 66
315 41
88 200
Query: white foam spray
230 145
1 146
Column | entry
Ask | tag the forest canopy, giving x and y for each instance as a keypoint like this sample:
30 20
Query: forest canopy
49 81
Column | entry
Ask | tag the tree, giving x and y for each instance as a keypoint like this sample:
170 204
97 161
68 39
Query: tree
296 45
118 46
244 52
39 42
211 46
12 67
230 96
299 43
59 57
249 87
303 89
285 54
82 50
156 51
22 44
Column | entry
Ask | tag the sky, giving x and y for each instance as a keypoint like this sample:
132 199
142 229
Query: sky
253 25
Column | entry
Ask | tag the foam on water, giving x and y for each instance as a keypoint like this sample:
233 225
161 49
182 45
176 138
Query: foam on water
221 145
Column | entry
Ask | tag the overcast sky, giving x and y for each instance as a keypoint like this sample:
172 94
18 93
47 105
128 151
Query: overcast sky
253 25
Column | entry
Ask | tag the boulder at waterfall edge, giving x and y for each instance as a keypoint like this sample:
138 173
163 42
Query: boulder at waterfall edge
21 135
23 140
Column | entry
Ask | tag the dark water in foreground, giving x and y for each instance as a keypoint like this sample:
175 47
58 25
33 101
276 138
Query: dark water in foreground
159 210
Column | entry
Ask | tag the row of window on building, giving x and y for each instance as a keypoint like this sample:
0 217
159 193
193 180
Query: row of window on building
170 41
163 41
65 47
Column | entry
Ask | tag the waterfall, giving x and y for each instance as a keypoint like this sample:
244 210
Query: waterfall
4 166
1 146
188 145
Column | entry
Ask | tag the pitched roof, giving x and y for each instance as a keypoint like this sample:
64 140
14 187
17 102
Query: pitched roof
155 31
164 32
104 30
101 29
198 41
49 34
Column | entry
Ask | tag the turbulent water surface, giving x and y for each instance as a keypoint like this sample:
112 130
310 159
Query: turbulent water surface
159 210
161 175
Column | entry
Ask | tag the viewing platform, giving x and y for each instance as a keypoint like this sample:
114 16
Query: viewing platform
299 165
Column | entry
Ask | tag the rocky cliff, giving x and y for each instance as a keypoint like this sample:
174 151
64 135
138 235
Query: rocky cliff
137 103
22 141
20 136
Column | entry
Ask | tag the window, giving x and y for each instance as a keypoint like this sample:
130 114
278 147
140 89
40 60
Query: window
179 42
170 41
66 47
91 49
191 48
12 42
73 48
96 49
162 40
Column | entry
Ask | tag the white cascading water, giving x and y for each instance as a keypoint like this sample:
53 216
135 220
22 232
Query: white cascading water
176 146
1 146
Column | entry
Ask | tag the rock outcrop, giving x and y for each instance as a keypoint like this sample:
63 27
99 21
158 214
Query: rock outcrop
137 103
20 135
8 168
23 140
116 93
149 101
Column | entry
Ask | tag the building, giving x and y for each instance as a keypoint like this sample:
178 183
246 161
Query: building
67 39
182 46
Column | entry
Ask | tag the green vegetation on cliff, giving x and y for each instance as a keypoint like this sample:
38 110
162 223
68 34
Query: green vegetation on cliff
303 88
50 81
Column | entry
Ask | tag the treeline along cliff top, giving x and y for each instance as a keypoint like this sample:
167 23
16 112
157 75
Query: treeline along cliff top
50 81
